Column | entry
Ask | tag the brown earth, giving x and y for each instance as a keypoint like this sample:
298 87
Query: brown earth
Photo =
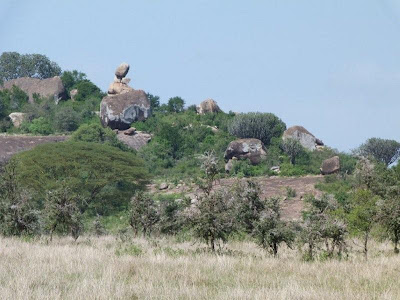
12 144
270 186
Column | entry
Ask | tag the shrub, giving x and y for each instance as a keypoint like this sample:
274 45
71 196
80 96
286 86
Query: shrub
41 126
66 119
290 192
269 230
143 214
262 126
293 148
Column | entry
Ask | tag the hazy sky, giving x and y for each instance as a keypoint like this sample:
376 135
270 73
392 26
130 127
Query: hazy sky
331 66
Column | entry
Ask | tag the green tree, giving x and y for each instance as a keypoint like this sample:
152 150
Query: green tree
176 104
154 101
63 211
143 214
262 126
293 148
66 119
71 78
270 230
105 176
383 150
362 215
14 65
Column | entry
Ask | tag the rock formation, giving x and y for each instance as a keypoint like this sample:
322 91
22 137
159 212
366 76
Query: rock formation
123 105
330 166
50 87
134 140
17 118
73 94
208 106
252 149
306 139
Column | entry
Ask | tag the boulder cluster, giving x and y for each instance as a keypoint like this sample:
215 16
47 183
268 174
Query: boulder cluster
123 105
241 149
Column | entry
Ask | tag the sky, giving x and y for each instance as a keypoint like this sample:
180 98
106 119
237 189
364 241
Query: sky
330 66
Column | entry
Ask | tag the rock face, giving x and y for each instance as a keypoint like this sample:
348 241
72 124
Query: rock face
330 166
123 105
252 149
17 118
135 140
73 93
119 111
306 139
50 87
208 106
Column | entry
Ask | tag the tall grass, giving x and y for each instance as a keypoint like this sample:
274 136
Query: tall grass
109 268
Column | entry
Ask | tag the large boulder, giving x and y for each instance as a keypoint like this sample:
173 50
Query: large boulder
306 138
50 87
252 149
116 88
208 106
17 118
330 166
119 111
134 139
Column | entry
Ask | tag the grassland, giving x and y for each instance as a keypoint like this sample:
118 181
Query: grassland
112 268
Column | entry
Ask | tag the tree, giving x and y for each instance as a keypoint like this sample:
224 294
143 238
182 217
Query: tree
62 211
17 213
14 65
270 230
105 176
383 150
262 126
362 215
71 78
293 148
176 104
66 119
154 101
389 217
143 214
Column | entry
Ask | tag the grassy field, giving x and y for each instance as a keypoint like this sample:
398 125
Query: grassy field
110 268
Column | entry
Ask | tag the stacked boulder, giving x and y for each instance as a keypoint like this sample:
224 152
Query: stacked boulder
305 138
123 105
252 149
208 106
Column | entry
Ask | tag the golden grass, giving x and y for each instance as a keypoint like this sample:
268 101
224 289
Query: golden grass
105 268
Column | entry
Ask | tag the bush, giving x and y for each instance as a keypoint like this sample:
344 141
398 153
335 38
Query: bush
66 119
143 214
41 126
262 126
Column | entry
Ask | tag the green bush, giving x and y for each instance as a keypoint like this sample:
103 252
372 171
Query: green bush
41 126
262 126
66 119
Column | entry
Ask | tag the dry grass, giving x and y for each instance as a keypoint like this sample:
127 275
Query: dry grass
105 268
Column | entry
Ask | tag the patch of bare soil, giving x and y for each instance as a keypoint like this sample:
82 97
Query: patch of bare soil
270 186
12 144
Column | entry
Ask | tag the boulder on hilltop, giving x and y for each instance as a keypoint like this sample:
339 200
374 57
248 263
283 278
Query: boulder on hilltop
208 106
49 87
305 138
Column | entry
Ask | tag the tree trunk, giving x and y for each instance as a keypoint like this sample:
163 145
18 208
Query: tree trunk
396 242
275 249
366 245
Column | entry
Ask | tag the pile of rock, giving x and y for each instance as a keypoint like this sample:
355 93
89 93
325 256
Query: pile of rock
306 139
123 105
49 87
134 139
208 106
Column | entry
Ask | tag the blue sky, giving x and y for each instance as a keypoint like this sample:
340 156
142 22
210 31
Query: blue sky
331 66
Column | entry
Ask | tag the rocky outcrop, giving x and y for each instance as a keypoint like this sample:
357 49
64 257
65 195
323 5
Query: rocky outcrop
50 87
306 139
134 139
252 149
12 144
123 105
330 166
208 106
17 118
120 111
